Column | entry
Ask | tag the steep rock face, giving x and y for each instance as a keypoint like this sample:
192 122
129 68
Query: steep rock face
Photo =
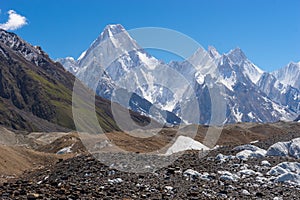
289 75
36 93
70 64
238 79
115 60
285 95
26 72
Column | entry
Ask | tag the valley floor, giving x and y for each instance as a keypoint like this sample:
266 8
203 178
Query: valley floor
49 171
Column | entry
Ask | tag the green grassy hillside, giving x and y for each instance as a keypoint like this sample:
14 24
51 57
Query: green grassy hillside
36 95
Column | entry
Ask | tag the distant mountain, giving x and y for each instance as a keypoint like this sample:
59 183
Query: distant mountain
246 102
69 64
289 75
36 93
284 95
115 61
111 63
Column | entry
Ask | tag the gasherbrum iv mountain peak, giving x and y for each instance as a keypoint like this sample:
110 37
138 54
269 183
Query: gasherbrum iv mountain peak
36 92
251 94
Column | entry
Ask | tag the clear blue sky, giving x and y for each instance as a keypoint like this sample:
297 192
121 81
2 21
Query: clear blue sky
268 31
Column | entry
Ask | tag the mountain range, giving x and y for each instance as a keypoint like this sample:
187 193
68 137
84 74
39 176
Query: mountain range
36 92
249 160
115 62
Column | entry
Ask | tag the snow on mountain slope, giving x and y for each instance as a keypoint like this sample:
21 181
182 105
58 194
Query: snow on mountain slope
213 52
229 68
243 72
81 56
238 76
203 63
235 69
112 43
285 95
289 75
29 52
237 57
115 60
69 64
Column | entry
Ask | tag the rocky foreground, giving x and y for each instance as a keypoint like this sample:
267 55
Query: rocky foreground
215 176
267 168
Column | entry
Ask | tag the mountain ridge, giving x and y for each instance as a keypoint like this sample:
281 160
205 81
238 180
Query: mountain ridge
36 92
289 75
232 71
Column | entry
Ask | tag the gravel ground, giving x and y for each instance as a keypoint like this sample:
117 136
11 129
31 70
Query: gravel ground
83 177
191 176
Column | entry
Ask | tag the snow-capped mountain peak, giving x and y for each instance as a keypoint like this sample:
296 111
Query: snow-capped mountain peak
252 71
236 56
295 65
115 61
203 62
113 43
289 75
29 52
213 52
116 33
237 59
69 63
112 30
